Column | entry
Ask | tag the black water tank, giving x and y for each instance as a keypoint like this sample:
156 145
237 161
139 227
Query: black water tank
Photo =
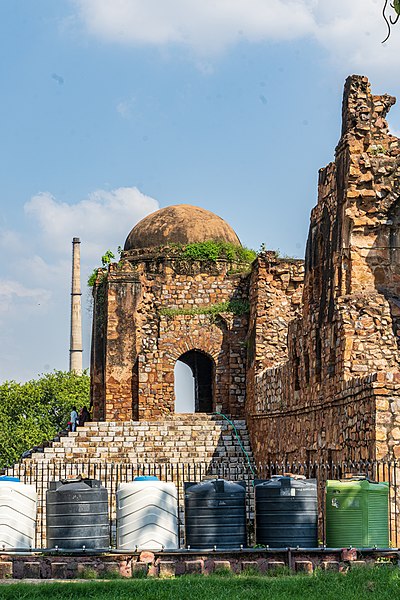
215 514
77 514
287 512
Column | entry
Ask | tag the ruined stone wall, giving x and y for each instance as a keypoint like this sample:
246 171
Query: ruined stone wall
315 400
276 287
152 316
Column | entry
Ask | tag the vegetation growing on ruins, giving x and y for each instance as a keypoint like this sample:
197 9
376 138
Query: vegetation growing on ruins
106 259
237 307
33 412
213 251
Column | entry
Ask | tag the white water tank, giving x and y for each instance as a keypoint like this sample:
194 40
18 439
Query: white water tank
17 514
147 514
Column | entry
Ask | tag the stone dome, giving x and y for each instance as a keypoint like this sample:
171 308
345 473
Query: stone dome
179 224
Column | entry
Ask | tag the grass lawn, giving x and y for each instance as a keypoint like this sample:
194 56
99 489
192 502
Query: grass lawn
360 584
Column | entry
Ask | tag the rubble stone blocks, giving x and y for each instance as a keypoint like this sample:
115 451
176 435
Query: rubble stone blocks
330 565
166 568
59 570
6 569
358 563
273 565
111 568
194 567
349 554
303 566
139 568
250 566
31 570
221 565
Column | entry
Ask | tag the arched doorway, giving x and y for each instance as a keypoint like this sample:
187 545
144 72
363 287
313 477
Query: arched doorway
199 396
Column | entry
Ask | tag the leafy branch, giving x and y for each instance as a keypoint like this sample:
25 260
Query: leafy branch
395 5
106 259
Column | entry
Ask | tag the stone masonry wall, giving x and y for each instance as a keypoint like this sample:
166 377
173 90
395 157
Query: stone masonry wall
324 399
276 287
152 316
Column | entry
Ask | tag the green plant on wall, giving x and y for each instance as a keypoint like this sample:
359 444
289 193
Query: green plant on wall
212 251
106 259
236 307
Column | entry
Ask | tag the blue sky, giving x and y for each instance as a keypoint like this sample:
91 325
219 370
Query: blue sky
110 110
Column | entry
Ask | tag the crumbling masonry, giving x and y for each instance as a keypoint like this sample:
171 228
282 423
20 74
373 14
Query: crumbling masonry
313 366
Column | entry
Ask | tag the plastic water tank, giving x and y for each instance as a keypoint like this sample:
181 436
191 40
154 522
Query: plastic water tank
357 513
17 513
215 514
77 514
286 511
147 514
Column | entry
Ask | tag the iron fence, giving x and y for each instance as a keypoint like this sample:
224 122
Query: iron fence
40 473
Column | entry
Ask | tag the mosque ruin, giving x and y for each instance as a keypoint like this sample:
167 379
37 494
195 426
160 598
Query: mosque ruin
313 364
292 360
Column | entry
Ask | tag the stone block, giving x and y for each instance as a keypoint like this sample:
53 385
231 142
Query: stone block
6 569
59 570
330 565
31 570
194 566
303 566
251 566
111 567
146 557
166 568
349 554
273 565
139 569
222 565
358 563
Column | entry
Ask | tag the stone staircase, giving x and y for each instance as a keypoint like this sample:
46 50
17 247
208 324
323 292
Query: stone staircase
187 438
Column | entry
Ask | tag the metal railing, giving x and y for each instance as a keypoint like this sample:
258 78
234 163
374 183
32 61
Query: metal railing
40 473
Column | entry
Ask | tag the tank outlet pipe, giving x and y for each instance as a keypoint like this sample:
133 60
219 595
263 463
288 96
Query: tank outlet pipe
220 414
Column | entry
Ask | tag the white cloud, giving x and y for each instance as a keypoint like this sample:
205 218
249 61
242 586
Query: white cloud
14 295
350 30
206 25
352 33
102 220
35 287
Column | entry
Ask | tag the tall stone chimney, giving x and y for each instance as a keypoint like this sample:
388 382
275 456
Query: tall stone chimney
75 350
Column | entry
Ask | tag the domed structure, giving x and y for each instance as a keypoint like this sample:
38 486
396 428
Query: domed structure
179 224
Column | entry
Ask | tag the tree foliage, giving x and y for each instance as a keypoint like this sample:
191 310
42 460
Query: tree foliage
106 260
33 412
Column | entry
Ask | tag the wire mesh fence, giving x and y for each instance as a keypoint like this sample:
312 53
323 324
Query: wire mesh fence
40 473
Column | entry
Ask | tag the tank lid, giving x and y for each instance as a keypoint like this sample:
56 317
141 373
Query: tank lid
218 486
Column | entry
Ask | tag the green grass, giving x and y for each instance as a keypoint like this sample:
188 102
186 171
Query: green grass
366 584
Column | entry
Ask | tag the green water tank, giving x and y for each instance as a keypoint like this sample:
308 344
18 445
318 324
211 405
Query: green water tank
357 513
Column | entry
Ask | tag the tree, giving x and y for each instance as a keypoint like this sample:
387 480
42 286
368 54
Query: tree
33 412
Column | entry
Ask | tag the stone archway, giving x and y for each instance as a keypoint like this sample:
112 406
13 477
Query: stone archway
203 370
